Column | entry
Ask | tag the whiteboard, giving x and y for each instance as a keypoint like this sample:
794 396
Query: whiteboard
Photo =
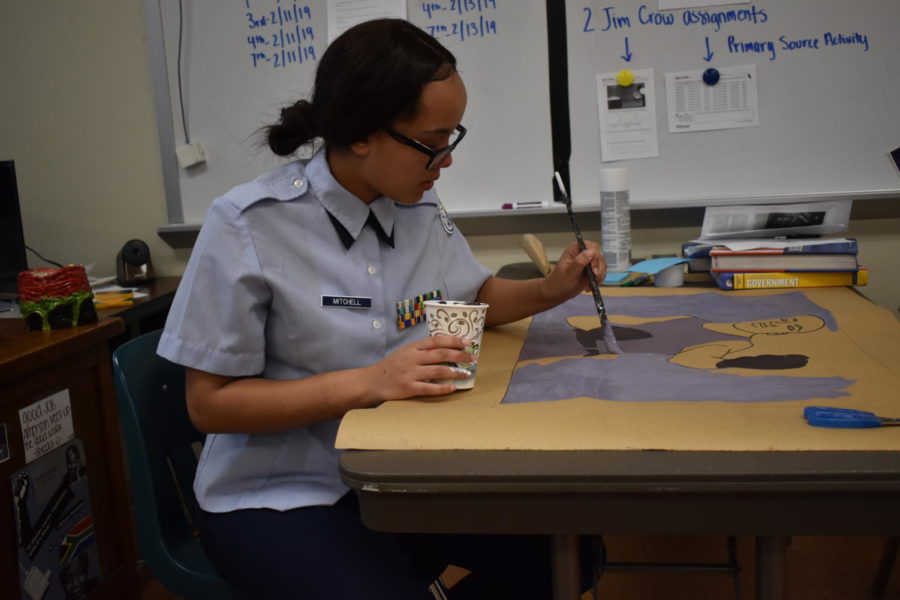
241 61
828 116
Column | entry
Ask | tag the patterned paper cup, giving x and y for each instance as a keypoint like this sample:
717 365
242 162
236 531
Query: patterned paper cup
453 317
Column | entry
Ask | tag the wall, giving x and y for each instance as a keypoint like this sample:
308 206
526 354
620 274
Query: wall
78 120
77 117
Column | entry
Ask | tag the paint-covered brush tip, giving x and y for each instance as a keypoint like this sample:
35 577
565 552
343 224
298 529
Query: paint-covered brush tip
609 337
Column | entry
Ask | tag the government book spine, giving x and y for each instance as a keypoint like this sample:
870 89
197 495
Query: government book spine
777 280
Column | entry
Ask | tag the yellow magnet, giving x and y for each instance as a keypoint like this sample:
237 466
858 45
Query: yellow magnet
625 78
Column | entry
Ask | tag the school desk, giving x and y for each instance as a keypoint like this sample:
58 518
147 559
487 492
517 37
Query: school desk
34 365
147 312
563 493
771 495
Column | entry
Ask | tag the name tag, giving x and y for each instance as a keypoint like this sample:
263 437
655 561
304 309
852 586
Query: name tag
346 302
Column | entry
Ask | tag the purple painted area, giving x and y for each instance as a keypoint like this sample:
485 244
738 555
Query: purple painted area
664 337
712 307
642 373
649 378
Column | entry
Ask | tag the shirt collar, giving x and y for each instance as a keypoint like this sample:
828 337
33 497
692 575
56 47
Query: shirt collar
348 213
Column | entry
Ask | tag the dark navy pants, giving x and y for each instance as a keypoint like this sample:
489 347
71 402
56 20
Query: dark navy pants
325 553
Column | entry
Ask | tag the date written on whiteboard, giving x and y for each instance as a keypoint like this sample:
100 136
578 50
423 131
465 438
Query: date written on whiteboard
458 6
280 38
282 48
284 57
279 17
464 30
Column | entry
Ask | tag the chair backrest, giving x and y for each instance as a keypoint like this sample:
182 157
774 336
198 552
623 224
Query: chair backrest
160 443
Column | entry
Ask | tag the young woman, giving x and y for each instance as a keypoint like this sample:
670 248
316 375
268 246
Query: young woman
287 318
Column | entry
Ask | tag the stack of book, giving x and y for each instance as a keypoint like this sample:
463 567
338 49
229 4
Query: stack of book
772 264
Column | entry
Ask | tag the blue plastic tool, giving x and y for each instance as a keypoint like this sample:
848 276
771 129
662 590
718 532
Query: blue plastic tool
844 418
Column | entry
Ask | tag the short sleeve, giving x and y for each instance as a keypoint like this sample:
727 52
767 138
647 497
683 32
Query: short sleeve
218 317
462 271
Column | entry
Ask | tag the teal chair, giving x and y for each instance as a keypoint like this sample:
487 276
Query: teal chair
159 445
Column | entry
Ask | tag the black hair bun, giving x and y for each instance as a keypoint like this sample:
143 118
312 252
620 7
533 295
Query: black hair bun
295 128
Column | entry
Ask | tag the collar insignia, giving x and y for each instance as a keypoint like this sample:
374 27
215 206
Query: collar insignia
446 221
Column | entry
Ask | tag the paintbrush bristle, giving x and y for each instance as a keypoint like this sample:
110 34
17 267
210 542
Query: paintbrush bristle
609 337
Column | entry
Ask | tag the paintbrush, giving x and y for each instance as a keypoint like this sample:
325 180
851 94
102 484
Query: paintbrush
605 328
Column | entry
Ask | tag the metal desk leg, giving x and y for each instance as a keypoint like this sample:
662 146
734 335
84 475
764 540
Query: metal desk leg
885 566
566 567
771 551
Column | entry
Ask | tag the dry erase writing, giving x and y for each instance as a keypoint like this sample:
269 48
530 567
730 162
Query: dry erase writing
519 205
464 29
281 37
278 16
443 21
610 20
457 6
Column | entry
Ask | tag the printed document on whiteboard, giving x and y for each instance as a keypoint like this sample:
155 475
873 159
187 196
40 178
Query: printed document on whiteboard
776 220
693 105
627 117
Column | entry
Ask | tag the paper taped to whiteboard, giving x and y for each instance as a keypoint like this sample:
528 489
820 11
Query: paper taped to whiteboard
776 220
895 158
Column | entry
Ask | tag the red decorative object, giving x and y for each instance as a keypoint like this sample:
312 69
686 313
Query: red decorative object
52 283
56 298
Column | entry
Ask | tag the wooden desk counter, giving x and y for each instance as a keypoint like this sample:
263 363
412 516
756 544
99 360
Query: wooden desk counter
33 365
148 312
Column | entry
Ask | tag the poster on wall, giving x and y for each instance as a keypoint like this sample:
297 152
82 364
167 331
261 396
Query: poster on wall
56 548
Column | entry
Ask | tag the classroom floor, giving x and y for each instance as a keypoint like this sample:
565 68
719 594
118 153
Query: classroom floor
820 568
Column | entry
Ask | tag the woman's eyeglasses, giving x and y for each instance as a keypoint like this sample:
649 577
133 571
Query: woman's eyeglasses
436 157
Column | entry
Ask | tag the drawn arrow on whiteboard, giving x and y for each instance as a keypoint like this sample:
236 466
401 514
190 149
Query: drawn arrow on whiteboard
709 53
627 56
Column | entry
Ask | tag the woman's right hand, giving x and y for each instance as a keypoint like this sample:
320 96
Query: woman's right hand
409 371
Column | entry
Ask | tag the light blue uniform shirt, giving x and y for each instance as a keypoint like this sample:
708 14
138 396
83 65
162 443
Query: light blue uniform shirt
251 304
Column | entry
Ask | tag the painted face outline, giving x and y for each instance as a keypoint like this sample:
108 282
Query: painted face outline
781 326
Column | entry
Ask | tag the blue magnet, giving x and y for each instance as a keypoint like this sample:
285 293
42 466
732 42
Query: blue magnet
711 76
